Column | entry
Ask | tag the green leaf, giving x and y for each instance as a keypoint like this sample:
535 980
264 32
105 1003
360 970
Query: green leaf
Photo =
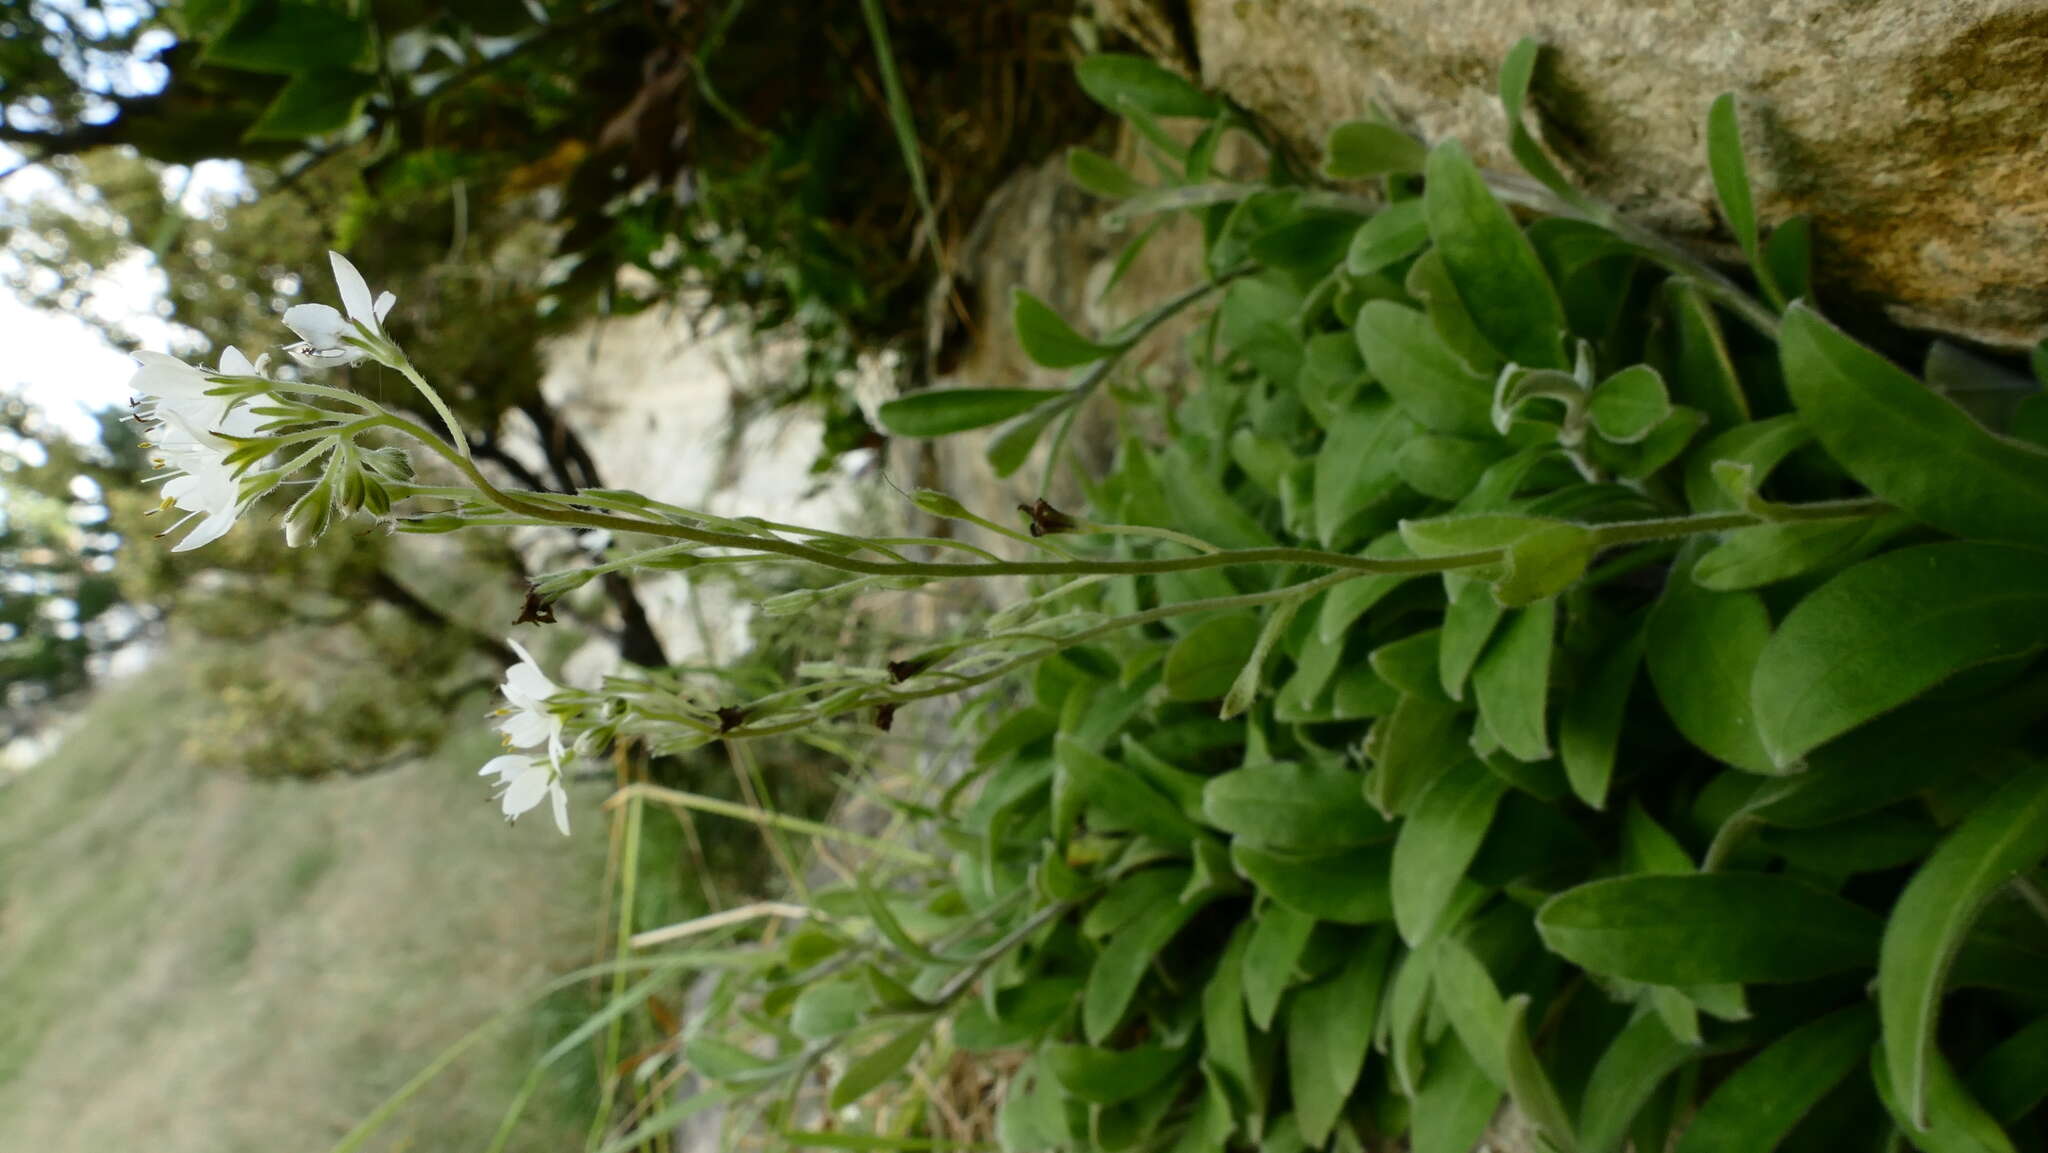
1199 505
1647 847
1351 600
1515 74
1492 265
1244 688
944 411
828 1009
1760 1103
1421 373
1291 807
313 103
1891 628
1329 1027
1437 843
1394 234
1589 730
1761 445
1122 794
1130 897
1702 373
1418 740
1018 1017
1625 1078
1430 285
2006 836
1731 183
1902 753
1468 623
1010 445
1121 83
870 1070
1278 938
1954 1122
1454 1105
1409 664
1202 664
2012 1079
1544 563
1109 1076
1355 467
1047 338
1348 888
1458 534
1123 963
1444 467
1512 682
1707 929
1626 406
1909 445
1788 253
1702 652
1225 1040
1765 554
1473 1006
1364 149
1533 1092
289 37
1100 175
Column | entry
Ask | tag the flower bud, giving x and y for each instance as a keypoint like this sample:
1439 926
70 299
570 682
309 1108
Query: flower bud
348 489
310 516
939 504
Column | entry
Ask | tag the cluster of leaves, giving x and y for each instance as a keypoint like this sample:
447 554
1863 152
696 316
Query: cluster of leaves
1711 811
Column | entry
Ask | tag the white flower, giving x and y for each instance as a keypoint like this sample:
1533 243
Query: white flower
535 771
525 780
190 432
528 724
323 331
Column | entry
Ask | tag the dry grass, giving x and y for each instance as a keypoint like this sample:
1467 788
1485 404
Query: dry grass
196 961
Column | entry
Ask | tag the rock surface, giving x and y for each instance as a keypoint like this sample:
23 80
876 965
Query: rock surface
1914 131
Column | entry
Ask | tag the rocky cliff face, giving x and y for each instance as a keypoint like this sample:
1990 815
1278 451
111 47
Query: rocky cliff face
1914 131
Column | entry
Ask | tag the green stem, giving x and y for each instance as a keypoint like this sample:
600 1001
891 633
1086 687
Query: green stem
1198 544
716 807
447 415
1604 536
1050 645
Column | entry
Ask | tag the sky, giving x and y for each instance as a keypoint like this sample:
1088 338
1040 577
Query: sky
58 360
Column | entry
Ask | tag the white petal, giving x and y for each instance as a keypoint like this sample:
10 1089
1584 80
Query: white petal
233 363
210 529
505 767
164 376
526 684
526 789
318 324
318 358
384 302
561 799
355 293
526 730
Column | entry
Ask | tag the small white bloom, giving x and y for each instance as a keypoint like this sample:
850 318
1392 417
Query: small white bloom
535 771
528 724
190 433
323 331
524 780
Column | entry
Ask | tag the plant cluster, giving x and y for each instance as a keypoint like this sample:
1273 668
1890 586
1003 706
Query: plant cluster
1533 668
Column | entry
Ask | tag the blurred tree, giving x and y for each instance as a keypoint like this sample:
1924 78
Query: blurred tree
60 601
